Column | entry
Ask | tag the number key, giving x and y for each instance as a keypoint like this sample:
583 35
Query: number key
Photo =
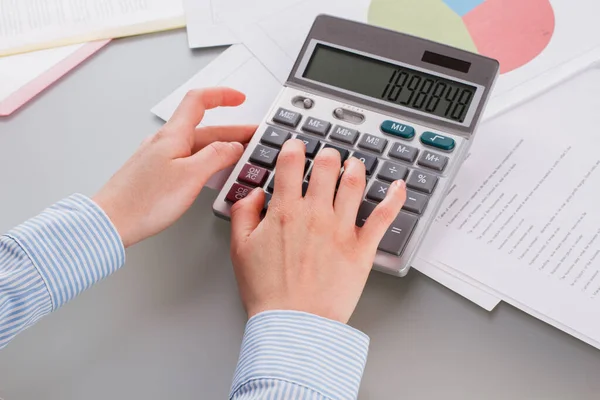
343 152
312 145
369 161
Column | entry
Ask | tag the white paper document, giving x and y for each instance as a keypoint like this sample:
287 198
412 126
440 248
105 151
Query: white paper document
522 216
209 21
27 25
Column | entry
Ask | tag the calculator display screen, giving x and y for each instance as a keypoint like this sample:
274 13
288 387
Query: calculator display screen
390 83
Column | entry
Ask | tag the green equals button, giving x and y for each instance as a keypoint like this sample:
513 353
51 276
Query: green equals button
398 129
438 141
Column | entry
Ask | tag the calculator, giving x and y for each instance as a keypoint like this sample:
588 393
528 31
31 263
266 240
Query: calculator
407 107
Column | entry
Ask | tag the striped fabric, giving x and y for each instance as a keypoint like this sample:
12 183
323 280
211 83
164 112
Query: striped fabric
295 355
51 258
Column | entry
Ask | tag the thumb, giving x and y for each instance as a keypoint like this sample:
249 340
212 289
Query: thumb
216 157
245 215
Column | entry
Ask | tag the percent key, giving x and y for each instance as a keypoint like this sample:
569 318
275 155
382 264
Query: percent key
422 182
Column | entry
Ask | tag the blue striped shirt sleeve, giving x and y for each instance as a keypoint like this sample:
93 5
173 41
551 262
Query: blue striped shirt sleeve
53 257
295 355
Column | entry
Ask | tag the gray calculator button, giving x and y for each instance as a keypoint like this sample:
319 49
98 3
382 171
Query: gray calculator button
287 117
392 172
377 191
422 181
395 239
373 143
275 136
403 152
433 161
365 210
312 145
317 126
367 159
344 134
415 202
264 155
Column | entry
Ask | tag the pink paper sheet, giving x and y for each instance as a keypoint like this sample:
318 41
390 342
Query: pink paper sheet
36 86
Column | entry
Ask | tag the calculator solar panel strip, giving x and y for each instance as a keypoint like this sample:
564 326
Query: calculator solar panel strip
407 107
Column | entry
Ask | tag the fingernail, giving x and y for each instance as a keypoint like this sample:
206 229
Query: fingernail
400 184
237 146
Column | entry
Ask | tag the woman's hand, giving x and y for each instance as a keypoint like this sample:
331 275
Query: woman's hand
164 177
307 254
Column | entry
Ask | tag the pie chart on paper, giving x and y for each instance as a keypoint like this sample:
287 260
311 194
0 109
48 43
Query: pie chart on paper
512 31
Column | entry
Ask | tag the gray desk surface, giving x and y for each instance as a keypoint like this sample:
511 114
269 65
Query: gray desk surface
169 324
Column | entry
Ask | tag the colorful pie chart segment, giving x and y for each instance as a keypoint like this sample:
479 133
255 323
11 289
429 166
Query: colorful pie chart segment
512 31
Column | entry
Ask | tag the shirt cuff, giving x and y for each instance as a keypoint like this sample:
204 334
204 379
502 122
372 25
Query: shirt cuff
72 245
325 356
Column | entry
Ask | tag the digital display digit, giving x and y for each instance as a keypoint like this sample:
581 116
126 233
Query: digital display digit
391 83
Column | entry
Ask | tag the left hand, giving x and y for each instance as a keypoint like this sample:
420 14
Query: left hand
163 178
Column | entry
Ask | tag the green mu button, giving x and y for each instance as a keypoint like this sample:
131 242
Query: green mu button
398 129
438 141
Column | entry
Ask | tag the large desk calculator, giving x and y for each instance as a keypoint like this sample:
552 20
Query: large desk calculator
406 107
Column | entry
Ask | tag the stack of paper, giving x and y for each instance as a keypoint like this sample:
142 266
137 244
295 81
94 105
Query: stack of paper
519 224
28 25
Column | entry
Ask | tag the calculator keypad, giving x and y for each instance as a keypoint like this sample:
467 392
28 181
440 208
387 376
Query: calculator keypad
422 182
264 155
395 238
391 172
345 135
369 161
373 143
377 191
253 175
403 152
432 160
344 153
287 117
417 156
316 126
275 137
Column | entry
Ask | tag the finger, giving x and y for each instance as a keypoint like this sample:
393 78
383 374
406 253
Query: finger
384 214
350 193
214 158
245 215
206 135
191 110
289 172
324 176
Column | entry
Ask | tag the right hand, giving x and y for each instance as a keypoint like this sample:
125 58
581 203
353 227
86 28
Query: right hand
307 254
